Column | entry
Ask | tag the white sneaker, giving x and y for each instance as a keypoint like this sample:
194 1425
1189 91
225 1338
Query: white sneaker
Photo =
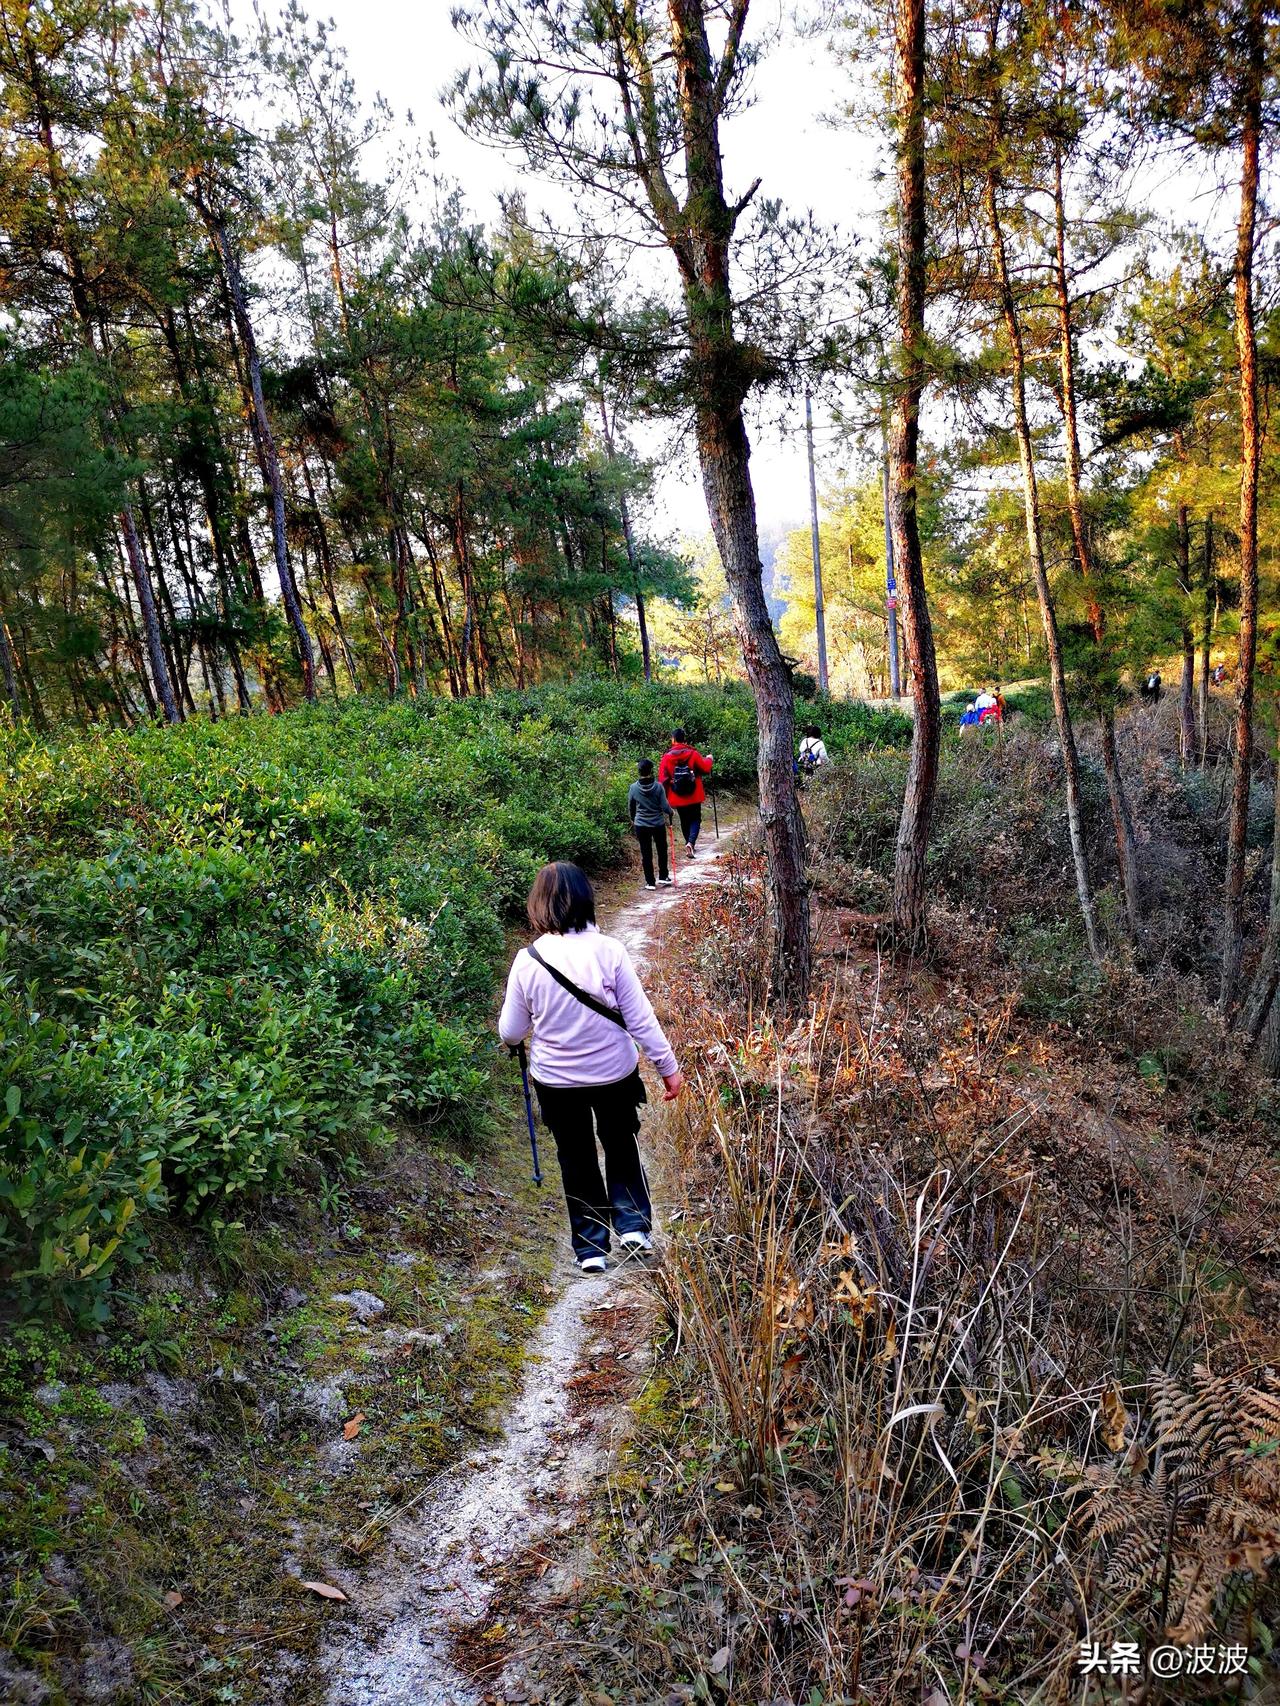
665 882
688 848
636 1241
651 885
593 1264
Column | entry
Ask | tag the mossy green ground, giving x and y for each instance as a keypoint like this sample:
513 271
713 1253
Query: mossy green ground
197 1450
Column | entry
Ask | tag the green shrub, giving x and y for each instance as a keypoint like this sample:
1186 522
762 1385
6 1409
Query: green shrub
243 948
78 1141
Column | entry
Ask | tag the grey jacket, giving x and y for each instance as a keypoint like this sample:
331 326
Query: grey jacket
647 805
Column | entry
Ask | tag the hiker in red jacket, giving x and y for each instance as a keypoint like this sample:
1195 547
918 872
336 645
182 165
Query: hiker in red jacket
681 772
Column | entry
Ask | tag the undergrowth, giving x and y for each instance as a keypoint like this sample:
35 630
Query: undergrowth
969 1308
232 956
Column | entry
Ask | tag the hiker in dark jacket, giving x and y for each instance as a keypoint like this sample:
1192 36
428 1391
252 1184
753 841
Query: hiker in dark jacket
650 813
681 772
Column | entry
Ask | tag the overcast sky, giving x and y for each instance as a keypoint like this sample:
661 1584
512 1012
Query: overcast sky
409 52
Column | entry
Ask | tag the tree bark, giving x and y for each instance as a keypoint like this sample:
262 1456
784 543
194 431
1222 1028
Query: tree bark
723 370
177 664
1250 463
1187 683
152 636
1206 638
327 576
1121 816
724 452
448 651
632 560
462 561
230 263
1266 980
904 442
1048 616
6 667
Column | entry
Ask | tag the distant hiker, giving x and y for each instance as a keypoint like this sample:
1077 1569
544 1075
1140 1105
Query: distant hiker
650 812
813 751
577 991
1151 687
989 705
1219 674
681 772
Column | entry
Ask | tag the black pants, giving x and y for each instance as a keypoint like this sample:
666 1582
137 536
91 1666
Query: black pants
576 1118
649 839
690 821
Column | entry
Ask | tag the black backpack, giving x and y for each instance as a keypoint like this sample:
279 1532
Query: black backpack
684 780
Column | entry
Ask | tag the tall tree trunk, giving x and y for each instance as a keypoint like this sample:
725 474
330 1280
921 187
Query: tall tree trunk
1262 991
327 576
178 512
82 306
462 561
177 664
1187 682
1035 550
724 452
6 666
1206 637
230 263
29 682
517 638
388 650
1250 462
150 619
904 443
132 643
442 606
721 372
632 559
1121 816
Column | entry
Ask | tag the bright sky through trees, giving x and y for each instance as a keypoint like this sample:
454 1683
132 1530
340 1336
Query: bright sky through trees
410 53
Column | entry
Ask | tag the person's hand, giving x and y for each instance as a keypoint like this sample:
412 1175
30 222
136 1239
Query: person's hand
674 1082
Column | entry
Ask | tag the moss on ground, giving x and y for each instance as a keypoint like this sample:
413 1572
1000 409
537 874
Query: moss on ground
167 1487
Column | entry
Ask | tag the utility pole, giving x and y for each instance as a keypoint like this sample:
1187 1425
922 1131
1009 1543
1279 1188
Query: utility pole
819 613
890 584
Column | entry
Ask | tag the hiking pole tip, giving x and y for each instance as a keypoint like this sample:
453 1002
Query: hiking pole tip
522 1057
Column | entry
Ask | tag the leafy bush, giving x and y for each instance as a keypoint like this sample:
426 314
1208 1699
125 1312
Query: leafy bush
234 952
78 1142
999 836
636 723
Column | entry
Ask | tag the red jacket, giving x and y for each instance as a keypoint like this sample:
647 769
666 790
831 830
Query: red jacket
697 763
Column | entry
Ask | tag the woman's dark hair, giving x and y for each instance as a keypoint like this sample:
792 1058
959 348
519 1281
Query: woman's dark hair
561 899
813 731
677 734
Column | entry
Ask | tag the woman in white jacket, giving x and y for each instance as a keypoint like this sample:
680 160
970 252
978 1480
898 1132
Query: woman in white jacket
577 991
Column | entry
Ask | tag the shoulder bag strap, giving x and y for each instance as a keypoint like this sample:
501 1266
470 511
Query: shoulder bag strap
601 1007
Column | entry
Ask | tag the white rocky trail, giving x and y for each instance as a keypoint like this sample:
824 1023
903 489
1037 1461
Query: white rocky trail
440 1571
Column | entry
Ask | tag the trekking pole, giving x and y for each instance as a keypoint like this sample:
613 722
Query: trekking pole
711 789
671 837
523 1058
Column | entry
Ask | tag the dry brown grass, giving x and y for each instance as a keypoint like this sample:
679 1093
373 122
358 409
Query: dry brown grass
927 1414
